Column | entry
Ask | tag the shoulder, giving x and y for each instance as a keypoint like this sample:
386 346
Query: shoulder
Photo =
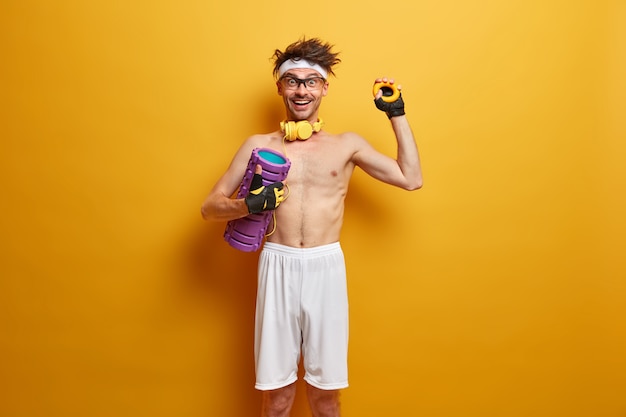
263 139
349 144
347 137
352 140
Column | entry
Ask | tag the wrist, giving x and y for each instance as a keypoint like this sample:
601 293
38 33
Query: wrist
395 113
253 204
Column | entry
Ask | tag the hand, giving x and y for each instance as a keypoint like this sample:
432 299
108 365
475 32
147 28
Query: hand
393 108
263 198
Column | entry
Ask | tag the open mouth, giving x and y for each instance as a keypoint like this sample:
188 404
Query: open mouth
301 103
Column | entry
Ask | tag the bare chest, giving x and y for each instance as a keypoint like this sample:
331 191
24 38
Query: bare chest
318 165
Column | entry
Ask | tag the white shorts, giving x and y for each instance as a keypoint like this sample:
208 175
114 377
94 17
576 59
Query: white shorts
302 301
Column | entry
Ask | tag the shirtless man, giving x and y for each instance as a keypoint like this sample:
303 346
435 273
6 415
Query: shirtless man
302 296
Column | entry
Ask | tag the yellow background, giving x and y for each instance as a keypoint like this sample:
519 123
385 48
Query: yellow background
496 290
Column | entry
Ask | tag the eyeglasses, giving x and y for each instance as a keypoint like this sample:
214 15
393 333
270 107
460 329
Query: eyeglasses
311 84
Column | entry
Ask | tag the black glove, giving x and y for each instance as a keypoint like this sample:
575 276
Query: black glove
262 198
393 109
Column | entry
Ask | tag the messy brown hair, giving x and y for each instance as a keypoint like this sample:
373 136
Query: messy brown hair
313 50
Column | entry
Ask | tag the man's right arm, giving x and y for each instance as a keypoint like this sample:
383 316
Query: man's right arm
219 204
219 207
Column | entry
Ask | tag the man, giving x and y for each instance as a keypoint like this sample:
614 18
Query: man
302 302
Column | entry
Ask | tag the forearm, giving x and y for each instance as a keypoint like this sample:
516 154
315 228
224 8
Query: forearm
408 155
218 207
410 175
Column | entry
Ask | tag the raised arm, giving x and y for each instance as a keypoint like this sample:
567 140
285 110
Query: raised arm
405 171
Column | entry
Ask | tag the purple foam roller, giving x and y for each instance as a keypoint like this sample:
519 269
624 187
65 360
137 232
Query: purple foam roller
247 233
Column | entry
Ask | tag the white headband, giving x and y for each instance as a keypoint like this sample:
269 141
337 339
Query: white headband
300 63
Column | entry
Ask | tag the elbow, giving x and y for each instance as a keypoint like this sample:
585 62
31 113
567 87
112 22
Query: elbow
414 185
206 213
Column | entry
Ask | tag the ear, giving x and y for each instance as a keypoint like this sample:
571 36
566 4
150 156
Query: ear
325 89
279 88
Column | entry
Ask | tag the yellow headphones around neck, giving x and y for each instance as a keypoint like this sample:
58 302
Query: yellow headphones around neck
301 130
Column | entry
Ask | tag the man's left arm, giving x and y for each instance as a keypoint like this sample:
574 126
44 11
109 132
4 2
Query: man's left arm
405 171
408 156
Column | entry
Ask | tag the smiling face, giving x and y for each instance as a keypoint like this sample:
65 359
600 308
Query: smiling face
301 103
